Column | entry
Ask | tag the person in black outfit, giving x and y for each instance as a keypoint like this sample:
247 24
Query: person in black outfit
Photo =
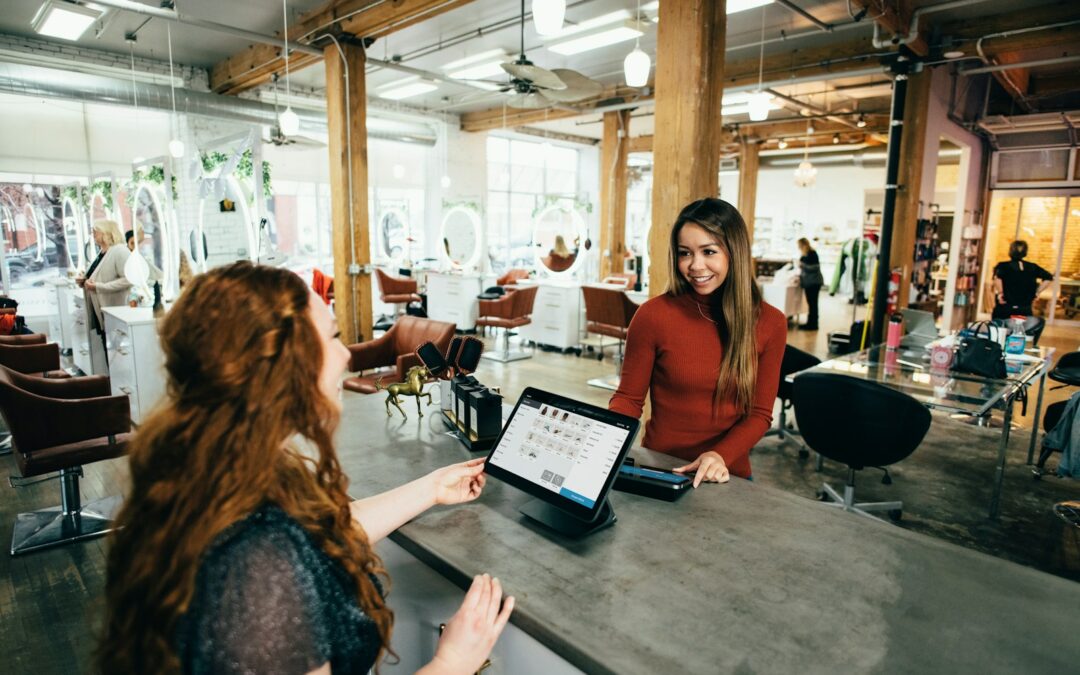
811 280
238 549
1017 283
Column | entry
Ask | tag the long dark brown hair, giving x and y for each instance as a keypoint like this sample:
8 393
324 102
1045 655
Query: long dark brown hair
736 305
242 358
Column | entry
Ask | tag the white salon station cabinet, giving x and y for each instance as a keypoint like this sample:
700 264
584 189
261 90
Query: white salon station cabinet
783 292
136 362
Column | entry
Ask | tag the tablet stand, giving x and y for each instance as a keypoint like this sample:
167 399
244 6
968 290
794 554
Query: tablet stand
563 522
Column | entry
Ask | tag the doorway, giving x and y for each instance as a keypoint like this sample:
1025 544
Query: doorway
1049 221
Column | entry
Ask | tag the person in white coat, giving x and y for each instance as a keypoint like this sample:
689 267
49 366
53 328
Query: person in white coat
105 284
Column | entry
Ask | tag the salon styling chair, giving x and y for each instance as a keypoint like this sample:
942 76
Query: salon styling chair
396 291
794 361
31 354
608 311
57 427
1067 372
513 310
507 283
393 353
860 424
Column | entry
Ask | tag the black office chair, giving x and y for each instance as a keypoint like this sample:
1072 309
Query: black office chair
860 424
1067 372
795 361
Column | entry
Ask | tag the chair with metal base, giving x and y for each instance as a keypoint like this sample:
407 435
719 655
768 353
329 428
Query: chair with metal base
608 311
860 424
58 426
512 310
396 291
1067 372
795 361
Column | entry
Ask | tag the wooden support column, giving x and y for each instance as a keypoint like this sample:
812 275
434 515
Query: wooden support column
614 149
347 127
686 148
749 162
909 180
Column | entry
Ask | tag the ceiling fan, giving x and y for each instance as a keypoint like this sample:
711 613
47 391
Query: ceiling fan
536 87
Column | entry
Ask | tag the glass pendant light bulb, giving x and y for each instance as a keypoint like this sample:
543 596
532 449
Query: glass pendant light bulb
445 182
758 103
176 148
548 16
289 122
636 68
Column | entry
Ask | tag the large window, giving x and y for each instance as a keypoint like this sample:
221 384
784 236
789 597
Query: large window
522 176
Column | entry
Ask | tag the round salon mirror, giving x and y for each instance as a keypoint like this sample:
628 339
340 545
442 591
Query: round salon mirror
73 234
151 229
225 225
393 234
460 235
559 235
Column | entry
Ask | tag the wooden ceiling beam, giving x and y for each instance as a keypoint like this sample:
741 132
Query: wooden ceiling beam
257 64
895 19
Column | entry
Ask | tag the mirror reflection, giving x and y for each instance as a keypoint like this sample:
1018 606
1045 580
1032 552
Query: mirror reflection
393 234
225 225
461 236
150 230
558 237
72 231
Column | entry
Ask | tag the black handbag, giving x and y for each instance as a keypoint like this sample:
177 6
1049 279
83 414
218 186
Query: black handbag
979 356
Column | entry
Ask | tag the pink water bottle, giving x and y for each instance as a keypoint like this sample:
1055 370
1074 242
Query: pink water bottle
892 338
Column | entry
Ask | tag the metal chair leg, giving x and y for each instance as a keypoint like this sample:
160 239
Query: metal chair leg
69 522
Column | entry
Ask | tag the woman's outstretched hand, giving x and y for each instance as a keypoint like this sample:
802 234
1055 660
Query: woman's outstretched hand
709 468
458 483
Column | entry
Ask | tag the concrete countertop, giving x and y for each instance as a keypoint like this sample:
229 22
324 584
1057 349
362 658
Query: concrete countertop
736 577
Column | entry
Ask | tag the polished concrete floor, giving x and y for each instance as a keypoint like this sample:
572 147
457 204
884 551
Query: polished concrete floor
51 602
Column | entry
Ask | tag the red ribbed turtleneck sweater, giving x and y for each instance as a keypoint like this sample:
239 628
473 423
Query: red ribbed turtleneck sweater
673 354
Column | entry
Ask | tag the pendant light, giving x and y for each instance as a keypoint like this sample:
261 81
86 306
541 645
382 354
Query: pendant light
806 174
176 146
759 100
548 16
288 121
637 64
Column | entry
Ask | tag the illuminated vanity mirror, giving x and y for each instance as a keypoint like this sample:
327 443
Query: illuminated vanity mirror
393 235
226 226
152 229
460 236
559 235
73 234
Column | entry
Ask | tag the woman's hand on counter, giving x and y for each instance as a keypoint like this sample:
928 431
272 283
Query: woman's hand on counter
458 483
473 630
709 467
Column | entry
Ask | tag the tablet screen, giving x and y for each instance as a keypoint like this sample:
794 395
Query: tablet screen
565 447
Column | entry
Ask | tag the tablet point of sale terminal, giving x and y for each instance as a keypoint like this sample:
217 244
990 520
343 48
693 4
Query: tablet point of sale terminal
565 454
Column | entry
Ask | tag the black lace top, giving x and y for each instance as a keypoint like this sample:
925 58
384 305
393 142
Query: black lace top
269 600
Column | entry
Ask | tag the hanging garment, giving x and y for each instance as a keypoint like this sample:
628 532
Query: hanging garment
1065 436
853 269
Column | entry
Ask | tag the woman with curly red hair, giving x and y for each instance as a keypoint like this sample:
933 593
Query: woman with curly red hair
238 549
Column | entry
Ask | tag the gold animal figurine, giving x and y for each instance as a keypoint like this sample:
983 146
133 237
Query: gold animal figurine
412 386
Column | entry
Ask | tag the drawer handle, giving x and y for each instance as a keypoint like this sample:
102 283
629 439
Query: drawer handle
126 390
84 352
121 351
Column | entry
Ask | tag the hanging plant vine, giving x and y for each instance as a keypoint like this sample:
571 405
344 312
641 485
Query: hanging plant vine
102 187
245 168
154 175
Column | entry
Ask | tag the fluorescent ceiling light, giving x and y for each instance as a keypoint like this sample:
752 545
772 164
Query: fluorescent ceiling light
733 6
602 37
64 20
477 67
406 88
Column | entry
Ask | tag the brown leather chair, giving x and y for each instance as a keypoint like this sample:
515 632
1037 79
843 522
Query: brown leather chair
31 354
511 278
59 426
608 311
510 311
392 353
396 291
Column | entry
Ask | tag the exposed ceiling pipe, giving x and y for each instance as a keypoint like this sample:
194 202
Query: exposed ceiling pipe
806 15
913 28
1020 94
173 15
1026 64
814 109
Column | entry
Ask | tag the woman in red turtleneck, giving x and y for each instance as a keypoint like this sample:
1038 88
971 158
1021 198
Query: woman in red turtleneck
707 351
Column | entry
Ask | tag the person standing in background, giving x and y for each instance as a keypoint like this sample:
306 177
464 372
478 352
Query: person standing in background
105 284
811 281
1017 283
